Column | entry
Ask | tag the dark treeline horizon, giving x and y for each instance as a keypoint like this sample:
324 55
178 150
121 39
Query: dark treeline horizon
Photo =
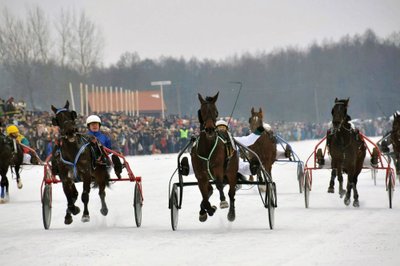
289 84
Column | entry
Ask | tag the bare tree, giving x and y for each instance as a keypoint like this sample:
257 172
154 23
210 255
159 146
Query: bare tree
37 27
16 51
65 38
89 44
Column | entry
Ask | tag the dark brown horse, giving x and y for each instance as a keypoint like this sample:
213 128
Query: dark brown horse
75 162
211 161
395 140
11 156
265 145
347 150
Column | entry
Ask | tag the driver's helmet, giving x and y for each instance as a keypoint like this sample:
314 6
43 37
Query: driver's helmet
222 124
93 119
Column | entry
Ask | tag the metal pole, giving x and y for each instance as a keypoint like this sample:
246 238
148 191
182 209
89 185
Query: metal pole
81 91
86 99
72 96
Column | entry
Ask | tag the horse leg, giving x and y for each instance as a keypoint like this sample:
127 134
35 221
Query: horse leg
19 182
348 193
85 199
71 194
232 214
331 188
205 206
220 186
340 179
356 202
102 194
4 196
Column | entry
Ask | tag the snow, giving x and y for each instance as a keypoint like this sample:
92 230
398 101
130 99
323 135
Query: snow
327 233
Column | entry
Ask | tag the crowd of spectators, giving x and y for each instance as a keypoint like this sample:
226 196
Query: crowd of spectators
145 135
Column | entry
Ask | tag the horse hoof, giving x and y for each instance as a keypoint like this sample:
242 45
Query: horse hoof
347 201
85 218
342 193
104 211
74 210
19 184
331 190
203 217
231 216
212 210
356 203
68 220
223 204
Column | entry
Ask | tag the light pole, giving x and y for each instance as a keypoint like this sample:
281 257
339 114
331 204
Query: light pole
161 84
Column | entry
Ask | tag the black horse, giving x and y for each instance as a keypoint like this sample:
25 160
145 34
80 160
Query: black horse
11 155
213 159
347 150
395 140
75 161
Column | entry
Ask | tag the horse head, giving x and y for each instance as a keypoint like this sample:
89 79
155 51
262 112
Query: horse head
339 113
396 125
209 113
256 119
65 120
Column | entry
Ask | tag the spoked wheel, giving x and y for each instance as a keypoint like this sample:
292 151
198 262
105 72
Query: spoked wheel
390 188
137 204
46 206
300 176
271 203
307 189
174 206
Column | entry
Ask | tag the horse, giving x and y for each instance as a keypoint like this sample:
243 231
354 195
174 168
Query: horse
265 145
75 161
395 140
213 158
11 156
347 150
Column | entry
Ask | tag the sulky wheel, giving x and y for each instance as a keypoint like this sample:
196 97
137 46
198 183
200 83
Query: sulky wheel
137 205
46 206
307 189
174 206
390 188
271 203
300 176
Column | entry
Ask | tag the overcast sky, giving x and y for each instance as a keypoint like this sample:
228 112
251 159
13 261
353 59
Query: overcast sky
220 28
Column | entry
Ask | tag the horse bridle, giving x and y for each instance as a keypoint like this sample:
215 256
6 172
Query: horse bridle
342 120
66 122
210 117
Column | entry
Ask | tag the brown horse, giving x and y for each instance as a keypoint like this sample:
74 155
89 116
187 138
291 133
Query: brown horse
211 161
395 140
265 145
347 150
74 160
11 155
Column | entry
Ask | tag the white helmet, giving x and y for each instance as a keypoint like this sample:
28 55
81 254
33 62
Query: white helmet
221 123
93 119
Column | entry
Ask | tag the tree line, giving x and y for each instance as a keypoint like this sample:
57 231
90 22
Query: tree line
38 60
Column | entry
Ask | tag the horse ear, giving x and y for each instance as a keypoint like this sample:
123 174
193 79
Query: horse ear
54 121
336 100
252 110
54 109
215 97
66 105
347 101
201 99
260 110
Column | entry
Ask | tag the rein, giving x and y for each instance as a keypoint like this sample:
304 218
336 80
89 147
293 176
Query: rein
73 165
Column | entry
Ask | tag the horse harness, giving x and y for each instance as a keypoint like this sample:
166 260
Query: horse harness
226 139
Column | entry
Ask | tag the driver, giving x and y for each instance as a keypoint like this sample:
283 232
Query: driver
93 123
